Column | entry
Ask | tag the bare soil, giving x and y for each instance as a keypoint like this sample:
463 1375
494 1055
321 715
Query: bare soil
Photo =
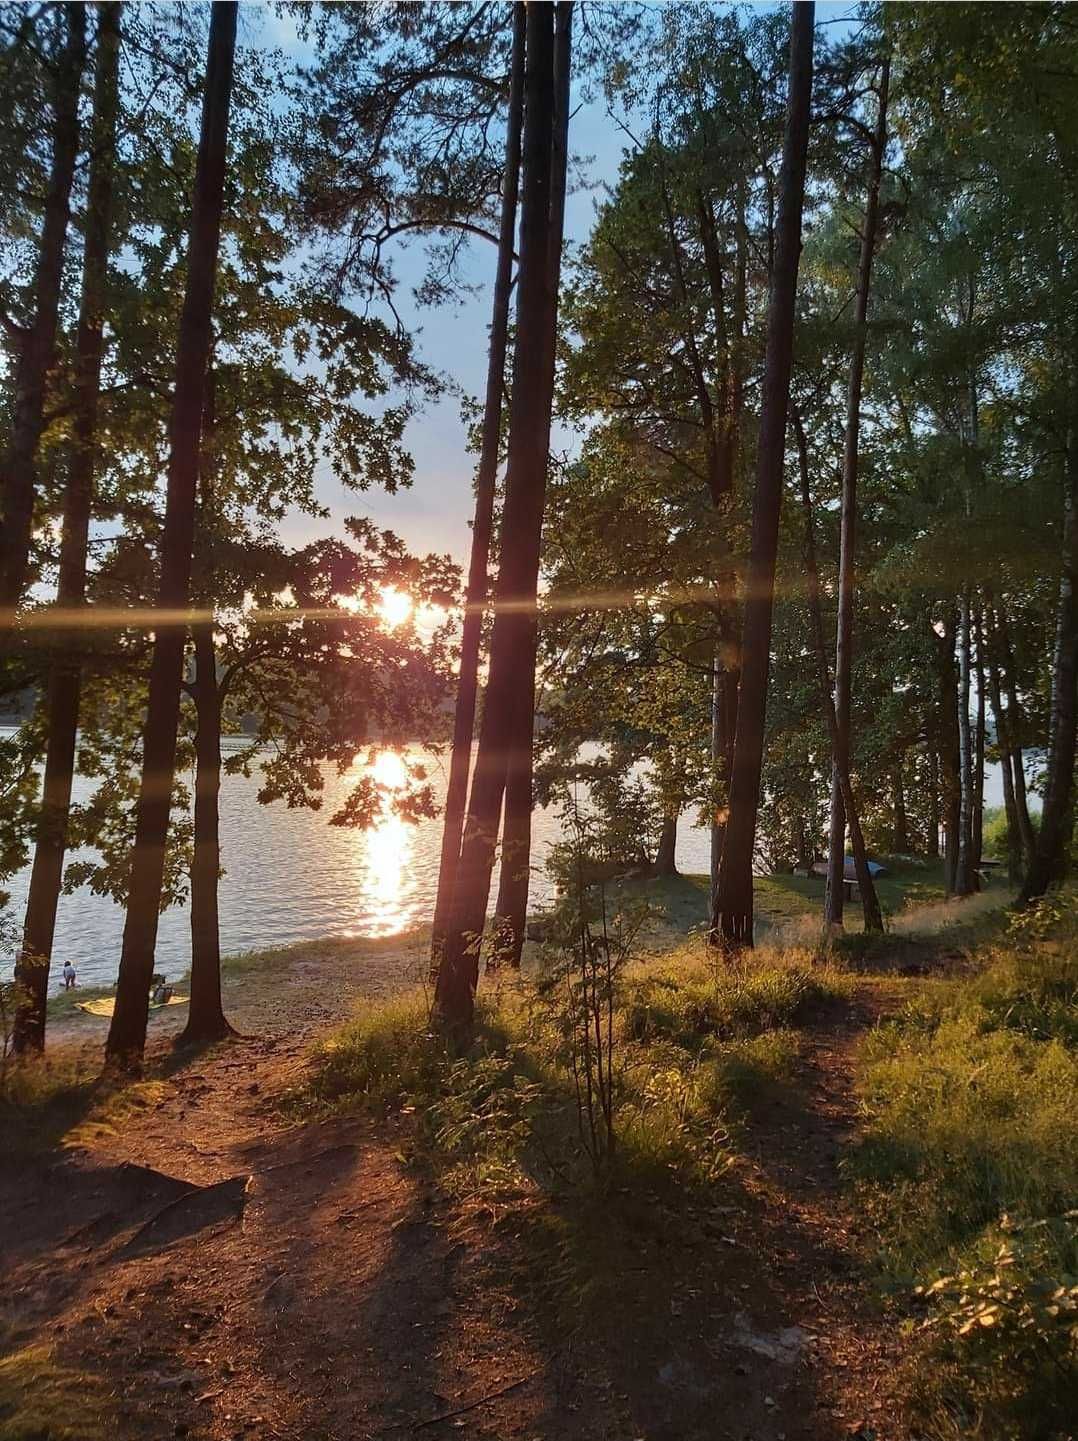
231 1275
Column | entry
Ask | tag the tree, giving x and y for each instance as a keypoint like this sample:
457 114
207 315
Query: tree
482 526
65 672
836 862
512 648
511 906
734 903
35 344
127 1034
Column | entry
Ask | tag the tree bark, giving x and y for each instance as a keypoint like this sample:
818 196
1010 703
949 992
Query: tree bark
964 880
512 649
127 1034
978 755
205 1014
734 899
62 704
847 579
865 884
933 800
1016 727
37 345
205 1017
665 854
900 831
948 746
512 905
1048 866
1017 856
486 477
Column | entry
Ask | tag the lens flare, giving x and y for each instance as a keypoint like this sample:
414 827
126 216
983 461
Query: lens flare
396 606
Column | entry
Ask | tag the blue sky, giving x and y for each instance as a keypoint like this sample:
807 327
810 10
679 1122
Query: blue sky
433 514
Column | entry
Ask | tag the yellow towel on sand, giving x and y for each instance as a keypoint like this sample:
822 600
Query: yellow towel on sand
105 1005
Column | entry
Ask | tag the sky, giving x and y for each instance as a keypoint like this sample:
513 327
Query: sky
433 514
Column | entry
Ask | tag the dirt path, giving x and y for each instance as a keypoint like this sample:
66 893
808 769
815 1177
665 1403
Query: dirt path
232 1276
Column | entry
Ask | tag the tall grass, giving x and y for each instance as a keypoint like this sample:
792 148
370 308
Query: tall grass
969 1170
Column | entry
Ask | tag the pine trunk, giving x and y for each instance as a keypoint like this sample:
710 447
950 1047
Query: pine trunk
1017 857
1048 866
734 900
1016 727
37 346
900 831
512 650
847 578
127 1034
978 756
520 758
62 703
205 1016
933 849
511 908
865 884
949 744
486 478
964 880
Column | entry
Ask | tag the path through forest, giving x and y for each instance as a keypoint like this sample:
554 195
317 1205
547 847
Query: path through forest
232 1275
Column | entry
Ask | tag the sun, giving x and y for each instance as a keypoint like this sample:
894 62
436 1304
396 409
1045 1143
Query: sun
396 606
389 770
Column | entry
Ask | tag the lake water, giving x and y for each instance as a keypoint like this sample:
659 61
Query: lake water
291 876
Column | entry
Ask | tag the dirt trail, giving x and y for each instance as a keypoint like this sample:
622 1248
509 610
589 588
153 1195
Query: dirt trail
312 1287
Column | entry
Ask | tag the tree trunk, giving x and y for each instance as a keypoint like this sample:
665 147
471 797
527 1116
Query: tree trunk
62 703
978 757
869 900
1048 866
949 744
900 831
512 650
847 579
1015 859
127 1034
476 593
964 882
1016 728
37 345
205 1016
933 800
665 855
734 893
511 908
517 823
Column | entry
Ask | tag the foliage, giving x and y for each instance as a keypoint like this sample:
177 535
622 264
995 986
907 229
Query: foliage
969 1171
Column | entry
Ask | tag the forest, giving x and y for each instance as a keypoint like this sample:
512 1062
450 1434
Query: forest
538 718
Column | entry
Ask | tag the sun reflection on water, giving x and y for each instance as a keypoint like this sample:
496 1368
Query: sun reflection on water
384 855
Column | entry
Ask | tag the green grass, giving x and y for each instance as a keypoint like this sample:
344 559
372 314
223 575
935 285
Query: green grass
41 1399
64 1100
968 1169
689 999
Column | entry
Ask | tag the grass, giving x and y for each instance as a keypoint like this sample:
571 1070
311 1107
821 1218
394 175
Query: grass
43 1400
64 1100
968 1169
697 1049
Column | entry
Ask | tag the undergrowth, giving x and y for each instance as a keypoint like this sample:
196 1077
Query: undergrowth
696 1048
42 1399
969 1170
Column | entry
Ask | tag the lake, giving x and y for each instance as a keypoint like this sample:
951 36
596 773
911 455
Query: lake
291 876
